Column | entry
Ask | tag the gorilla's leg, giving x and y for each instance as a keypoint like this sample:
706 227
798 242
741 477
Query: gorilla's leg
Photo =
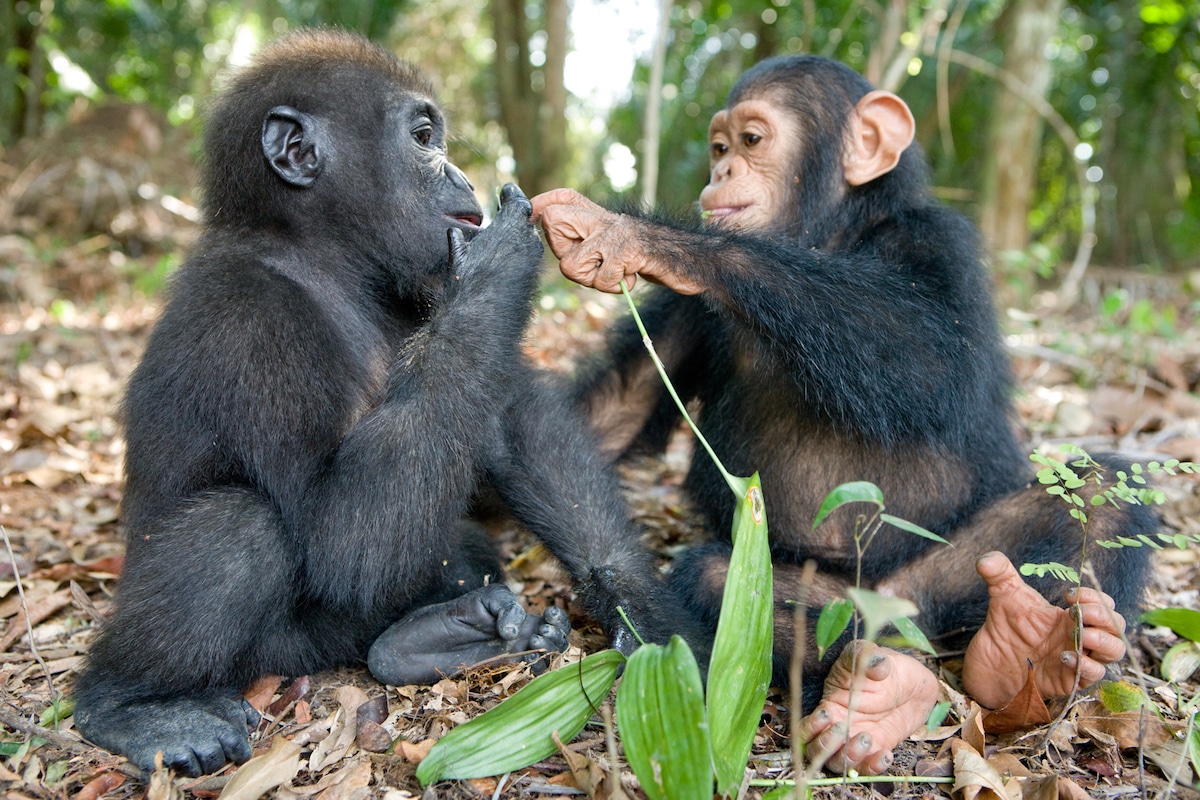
165 673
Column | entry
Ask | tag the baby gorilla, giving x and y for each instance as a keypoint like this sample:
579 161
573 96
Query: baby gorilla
330 385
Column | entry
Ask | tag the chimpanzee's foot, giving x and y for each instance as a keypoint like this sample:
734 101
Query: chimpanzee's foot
889 699
1022 628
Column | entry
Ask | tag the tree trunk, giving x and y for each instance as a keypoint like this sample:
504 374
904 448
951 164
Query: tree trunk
652 124
533 113
1015 128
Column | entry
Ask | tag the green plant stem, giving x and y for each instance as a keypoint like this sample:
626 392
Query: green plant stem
629 624
735 486
773 782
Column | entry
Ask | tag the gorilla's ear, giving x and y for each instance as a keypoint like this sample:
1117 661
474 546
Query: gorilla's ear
881 128
290 144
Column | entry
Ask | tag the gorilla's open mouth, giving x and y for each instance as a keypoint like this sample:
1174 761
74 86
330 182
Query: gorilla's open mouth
468 220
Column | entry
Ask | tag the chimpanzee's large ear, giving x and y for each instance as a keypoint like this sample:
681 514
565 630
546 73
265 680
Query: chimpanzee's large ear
289 142
880 130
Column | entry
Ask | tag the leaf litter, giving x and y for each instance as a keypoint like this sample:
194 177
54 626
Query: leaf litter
341 736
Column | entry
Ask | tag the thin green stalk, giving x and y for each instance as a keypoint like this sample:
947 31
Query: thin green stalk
773 782
736 487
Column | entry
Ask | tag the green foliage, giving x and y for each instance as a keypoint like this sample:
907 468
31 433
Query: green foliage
1062 480
739 672
664 726
1060 571
518 732
834 619
875 610
1184 622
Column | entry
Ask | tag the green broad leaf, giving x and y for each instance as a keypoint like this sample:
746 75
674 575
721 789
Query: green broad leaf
1181 661
853 492
937 715
1118 696
832 623
913 636
784 792
518 732
878 611
740 670
664 729
1184 621
55 771
912 527
57 711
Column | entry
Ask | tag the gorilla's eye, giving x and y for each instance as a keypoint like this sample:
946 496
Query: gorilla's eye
751 139
423 135
719 149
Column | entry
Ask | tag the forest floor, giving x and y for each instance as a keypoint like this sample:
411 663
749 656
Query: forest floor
1119 371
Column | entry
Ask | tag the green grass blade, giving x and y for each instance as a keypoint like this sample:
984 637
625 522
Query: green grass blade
740 669
660 713
517 732
912 527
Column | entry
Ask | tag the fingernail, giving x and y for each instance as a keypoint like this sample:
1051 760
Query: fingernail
887 759
822 715
1068 658
876 660
864 741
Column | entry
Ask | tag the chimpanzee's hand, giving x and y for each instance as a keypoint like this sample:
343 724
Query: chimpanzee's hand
196 735
598 248
441 639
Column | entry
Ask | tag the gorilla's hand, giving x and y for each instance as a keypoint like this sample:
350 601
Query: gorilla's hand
509 245
196 735
441 639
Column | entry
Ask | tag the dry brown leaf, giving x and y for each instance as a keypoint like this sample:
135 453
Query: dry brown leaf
972 728
337 744
976 779
1172 757
1043 787
260 692
1122 729
414 753
1070 790
486 787
1008 765
161 785
585 773
261 774
100 785
346 782
297 689
1026 710
38 611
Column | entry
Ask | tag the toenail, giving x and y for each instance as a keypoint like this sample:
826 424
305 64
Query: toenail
876 660
822 715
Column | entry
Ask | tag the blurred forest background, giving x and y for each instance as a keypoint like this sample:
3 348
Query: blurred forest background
1069 131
